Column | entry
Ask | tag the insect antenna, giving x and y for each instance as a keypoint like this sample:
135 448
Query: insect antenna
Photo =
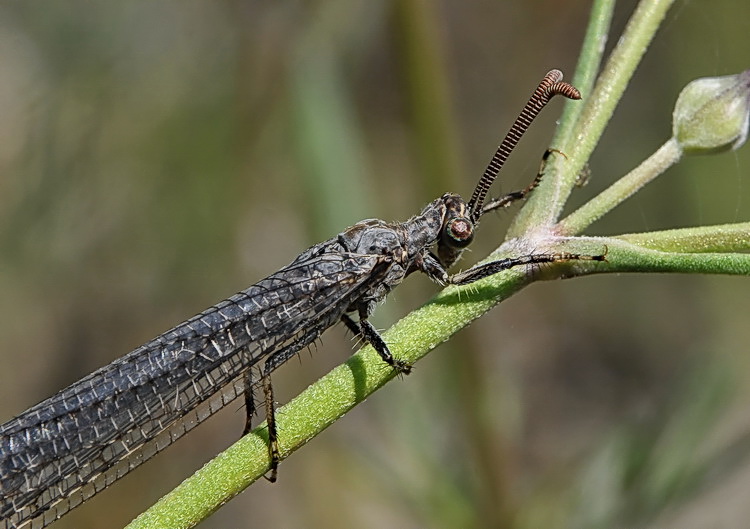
550 86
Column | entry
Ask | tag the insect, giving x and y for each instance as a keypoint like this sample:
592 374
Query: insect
64 450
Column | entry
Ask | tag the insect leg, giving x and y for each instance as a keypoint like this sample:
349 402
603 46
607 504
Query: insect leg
273 361
365 330
431 266
481 271
352 325
273 440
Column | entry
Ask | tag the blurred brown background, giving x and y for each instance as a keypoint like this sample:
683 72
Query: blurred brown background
156 157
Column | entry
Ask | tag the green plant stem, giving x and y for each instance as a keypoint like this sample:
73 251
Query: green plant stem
720 238
592 51
623 256
666 156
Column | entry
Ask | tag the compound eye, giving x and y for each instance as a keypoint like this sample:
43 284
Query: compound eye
459 232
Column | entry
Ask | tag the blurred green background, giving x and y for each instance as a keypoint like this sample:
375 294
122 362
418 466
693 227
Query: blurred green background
156 157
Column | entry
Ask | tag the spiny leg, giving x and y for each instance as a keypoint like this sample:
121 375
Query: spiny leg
250 409
481 271
365 330
273 440
352 325
276 359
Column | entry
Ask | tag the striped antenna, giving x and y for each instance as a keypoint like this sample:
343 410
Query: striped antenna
551 85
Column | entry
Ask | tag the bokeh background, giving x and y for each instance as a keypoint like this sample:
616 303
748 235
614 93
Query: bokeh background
156 157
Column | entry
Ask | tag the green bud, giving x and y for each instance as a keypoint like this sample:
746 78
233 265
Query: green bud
711 114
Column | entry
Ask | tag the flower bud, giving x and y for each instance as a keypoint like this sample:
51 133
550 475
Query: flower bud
711 114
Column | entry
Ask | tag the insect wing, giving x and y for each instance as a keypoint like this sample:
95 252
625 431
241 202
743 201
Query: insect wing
64 450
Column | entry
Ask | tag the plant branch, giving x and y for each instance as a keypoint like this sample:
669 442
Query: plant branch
720 238
666 156
622 256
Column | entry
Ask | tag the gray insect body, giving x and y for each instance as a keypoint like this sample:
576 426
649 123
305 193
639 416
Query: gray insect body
407 244
79 437
64 450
